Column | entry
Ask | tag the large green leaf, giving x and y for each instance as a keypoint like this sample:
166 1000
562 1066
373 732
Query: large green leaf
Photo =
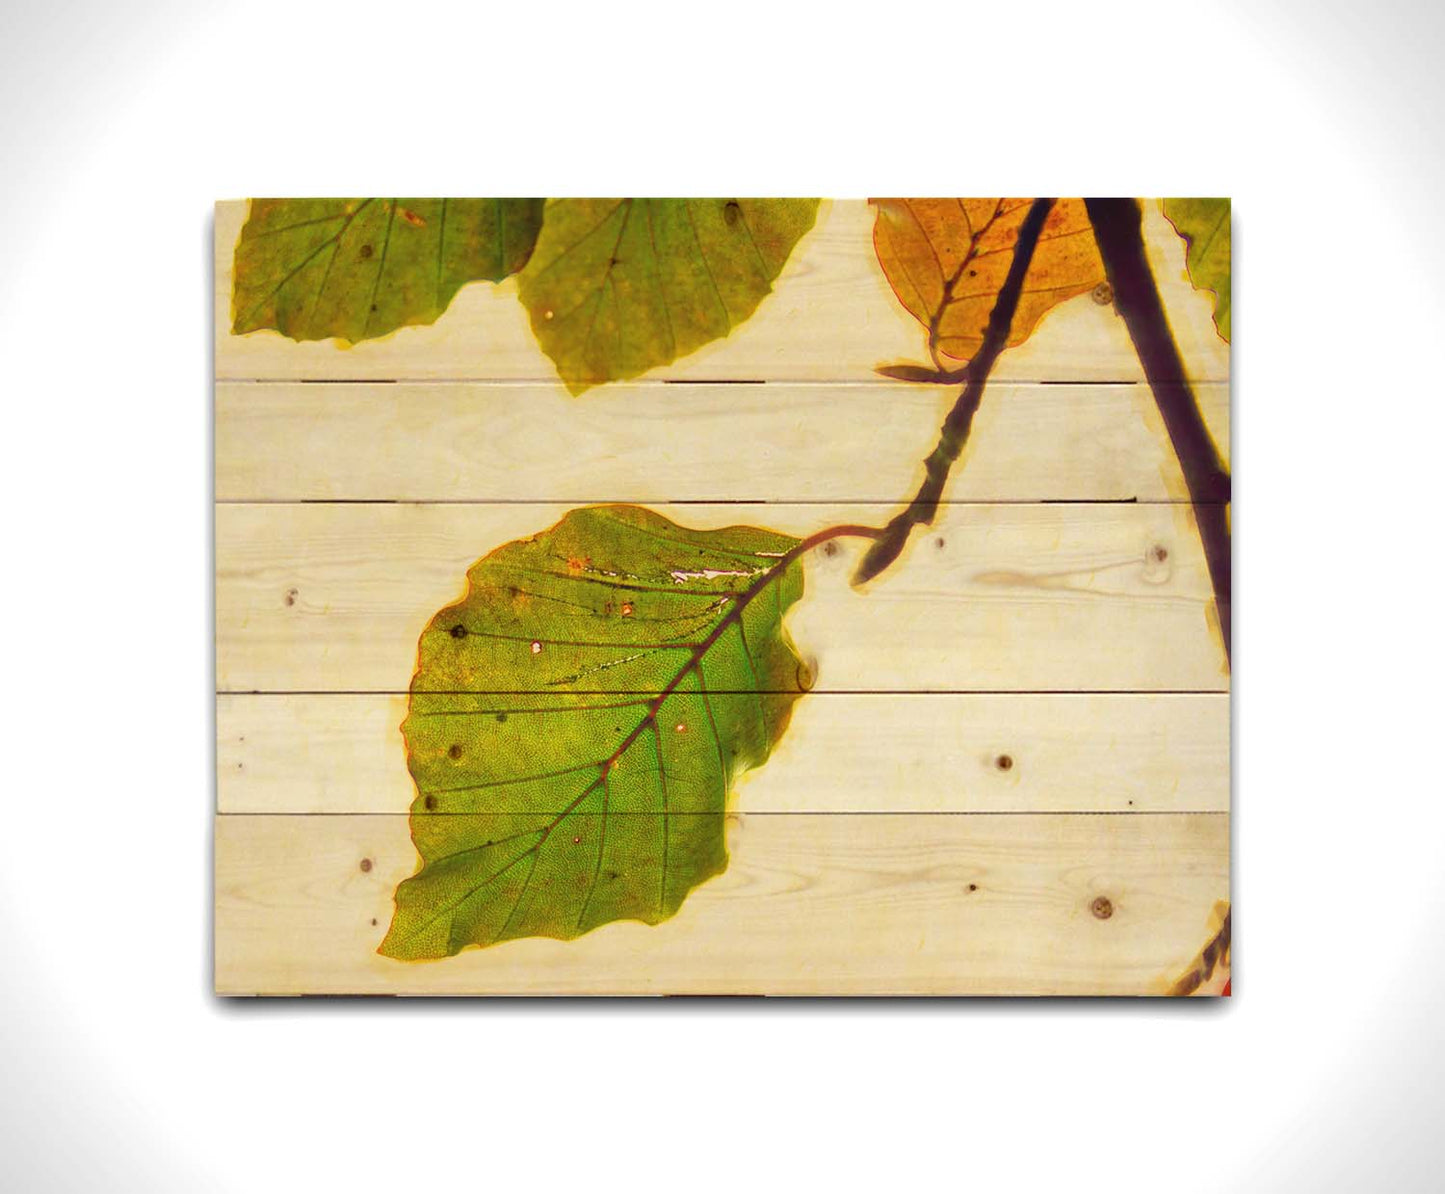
1204 225
359 268
578 718
619 286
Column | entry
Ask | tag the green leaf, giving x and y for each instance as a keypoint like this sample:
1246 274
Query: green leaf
578 719
620 286
360 268
1204 225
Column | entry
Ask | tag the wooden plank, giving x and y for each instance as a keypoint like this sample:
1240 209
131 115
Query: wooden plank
832 317
333 598
878 904
334 753
657 443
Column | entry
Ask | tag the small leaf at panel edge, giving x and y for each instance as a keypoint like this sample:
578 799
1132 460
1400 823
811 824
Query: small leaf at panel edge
356 269
1204 224
578 719
617 287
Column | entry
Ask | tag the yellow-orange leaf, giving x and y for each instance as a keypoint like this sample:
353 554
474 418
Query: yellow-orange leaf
947 258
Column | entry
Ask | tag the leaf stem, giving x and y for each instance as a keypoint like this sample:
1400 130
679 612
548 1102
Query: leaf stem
890 542
1118 225
848 530
1214 954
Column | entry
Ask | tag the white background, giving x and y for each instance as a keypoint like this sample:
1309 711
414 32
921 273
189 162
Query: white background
121 123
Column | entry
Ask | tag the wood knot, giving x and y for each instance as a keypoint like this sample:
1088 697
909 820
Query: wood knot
1103 294
365 865
1102 908
1004 762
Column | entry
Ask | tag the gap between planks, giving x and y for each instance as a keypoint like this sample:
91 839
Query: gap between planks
745 503
951 387
742 812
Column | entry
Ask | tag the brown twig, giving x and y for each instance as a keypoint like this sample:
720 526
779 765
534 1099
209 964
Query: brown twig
956 426
1118 231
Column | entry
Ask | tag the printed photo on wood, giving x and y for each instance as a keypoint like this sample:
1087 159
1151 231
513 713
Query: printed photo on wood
722 596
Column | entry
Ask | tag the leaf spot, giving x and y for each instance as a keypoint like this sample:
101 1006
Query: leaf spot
459 631
536 647
682 577
627 609
456 750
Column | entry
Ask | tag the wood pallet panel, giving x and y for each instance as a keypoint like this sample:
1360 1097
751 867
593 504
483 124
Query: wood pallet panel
1010 773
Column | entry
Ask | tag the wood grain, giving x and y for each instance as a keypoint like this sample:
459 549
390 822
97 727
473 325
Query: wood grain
334 753
646 442
832 317
842 904
996 598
